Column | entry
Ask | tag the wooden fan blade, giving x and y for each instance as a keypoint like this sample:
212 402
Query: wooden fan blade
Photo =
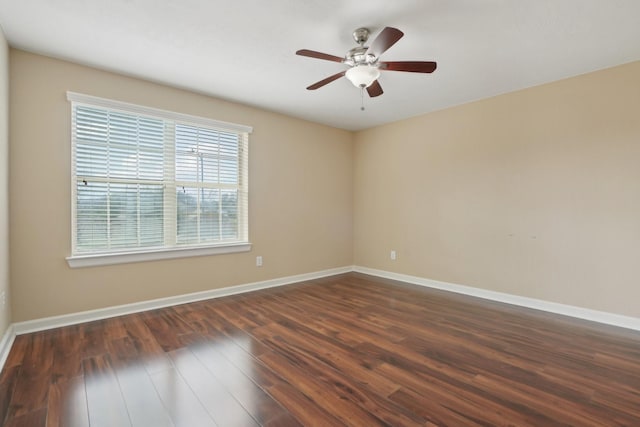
409 66
387 38
375 89
326 81
319 55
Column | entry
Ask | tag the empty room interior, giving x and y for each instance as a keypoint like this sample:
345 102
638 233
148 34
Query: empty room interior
413 213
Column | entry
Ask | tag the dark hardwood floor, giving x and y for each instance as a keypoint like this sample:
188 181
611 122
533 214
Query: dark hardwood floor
346 350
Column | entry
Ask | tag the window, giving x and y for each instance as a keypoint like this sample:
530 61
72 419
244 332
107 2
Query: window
149 184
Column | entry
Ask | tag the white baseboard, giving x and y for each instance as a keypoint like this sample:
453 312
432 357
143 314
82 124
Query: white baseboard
29 326
5 344
137 307
552 307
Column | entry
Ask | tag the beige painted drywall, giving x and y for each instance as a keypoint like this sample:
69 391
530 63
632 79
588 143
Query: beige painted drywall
534 193
300 195
5 310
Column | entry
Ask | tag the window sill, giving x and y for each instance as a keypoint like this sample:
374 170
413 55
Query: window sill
94 260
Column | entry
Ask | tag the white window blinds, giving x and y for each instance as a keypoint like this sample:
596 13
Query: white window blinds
156 180
207 180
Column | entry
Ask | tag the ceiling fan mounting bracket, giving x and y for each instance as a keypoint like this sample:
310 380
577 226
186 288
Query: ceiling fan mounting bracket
361 35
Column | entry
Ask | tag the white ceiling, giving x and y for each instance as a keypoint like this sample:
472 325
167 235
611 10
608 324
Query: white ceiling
244 50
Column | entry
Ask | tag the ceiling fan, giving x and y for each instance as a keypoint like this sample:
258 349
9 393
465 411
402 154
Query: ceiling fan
364 61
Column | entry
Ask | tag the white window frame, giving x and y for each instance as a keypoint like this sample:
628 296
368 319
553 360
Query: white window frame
80 259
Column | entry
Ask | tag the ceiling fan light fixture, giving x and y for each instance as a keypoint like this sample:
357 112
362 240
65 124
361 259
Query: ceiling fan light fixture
363 65
362 76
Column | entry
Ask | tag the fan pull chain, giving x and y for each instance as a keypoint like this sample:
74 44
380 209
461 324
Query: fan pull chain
362 98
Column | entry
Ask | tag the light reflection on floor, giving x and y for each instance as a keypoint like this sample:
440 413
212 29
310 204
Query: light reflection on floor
192 386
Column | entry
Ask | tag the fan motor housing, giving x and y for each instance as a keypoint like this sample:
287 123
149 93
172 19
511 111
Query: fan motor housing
358 56
361 35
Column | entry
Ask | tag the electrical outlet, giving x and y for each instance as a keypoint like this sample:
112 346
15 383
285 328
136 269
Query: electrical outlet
258 261
393 255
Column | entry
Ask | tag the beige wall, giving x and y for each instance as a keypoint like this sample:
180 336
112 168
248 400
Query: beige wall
5 311
534 193
300 195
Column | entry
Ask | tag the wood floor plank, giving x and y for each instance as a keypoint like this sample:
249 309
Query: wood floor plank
155 359
328 397
32 419
262 407
301 407
67 404
104 398
39 355
183 406
123 353
8 380
219 403
290 397
343 387
94 342
67 353
342 350
30 394
144 405
443 401
563 411
335 356
166 327
18 349
285 419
